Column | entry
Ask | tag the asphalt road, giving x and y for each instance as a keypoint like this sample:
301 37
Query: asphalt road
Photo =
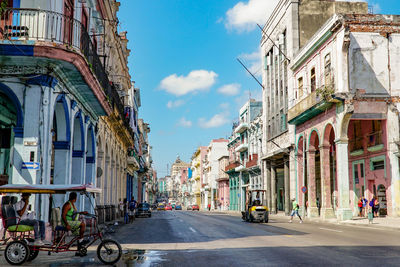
188 238
191 238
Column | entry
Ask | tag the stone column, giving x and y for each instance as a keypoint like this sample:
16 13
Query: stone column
273 188
287 185
312 210
394 154
326 207
344 212
268 183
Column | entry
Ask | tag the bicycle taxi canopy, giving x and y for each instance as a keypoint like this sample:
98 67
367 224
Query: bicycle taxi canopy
49 189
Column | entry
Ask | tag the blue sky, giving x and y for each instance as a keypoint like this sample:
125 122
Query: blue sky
183 58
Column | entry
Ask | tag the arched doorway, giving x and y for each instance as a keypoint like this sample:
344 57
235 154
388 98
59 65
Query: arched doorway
60 135
78 145
302 199
8 120
381 195
314 175
328 172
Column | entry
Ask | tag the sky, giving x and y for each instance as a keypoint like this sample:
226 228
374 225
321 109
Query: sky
184 60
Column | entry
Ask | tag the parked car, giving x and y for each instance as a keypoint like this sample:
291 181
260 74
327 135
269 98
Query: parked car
195 207
143 209
189 207
168 207
178 207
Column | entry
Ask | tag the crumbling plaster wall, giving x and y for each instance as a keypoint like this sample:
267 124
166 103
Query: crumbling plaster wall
314 13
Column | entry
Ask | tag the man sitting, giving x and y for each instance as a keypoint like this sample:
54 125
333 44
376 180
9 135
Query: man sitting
21 208
70 219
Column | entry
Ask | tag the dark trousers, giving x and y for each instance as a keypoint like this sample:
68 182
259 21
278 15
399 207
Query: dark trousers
38 227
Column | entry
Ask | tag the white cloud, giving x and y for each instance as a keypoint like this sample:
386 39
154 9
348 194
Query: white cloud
244 16
175 104
216 121
224 105
196 80
253 61
230 89
184 123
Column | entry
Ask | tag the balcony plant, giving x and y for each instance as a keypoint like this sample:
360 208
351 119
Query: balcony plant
325 92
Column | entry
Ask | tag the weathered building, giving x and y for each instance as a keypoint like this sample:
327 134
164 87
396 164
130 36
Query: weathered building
347 93
290 26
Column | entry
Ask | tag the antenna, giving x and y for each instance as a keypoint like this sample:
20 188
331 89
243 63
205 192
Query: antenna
250 73
277 46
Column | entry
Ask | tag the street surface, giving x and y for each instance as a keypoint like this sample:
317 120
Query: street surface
191 238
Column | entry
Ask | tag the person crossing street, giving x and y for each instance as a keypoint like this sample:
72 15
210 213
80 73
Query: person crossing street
295 211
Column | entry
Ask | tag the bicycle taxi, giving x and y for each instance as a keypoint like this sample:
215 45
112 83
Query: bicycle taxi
18 238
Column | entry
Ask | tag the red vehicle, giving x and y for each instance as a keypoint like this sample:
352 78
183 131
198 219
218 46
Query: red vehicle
168 207
195 207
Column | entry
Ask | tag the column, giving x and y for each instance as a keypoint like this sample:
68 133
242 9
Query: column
344 212
326 203
394 154
287 185
312 210
273 188
267 167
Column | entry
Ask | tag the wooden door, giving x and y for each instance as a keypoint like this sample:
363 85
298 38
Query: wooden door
68 20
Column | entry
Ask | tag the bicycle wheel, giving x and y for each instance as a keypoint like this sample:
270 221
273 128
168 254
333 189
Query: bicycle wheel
32 255
109 251
17 252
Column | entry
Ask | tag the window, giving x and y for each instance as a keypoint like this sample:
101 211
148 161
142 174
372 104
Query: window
378 165
300 86
283 121
328 75
313 81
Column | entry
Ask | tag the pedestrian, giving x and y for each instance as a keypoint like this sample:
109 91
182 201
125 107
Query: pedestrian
126 211
360 207
121 208
209 207
132 208
318 206
295 211
365 202
371 205
376 206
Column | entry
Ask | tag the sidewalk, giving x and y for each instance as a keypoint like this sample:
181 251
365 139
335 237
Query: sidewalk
381 222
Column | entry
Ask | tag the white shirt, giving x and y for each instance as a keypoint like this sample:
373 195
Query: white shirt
19 206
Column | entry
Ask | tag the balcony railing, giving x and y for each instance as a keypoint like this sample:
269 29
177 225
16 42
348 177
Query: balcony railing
253 161
232 166
49 26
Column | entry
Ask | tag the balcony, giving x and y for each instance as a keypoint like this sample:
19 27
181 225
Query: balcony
253 161
242 127
62 41
133 160
232 166
311 106
240 168
375 142
242 147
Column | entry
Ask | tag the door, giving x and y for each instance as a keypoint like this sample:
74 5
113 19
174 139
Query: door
68 20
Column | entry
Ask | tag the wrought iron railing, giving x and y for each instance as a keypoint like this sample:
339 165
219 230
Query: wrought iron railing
49 26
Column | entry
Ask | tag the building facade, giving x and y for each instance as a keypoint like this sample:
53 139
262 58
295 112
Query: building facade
290 26
345 146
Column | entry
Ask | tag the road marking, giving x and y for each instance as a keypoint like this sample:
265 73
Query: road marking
331 230
191 229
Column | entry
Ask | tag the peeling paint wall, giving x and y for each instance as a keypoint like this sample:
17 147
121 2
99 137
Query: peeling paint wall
313 14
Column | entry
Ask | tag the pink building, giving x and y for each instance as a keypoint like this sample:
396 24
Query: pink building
344 98
223 184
